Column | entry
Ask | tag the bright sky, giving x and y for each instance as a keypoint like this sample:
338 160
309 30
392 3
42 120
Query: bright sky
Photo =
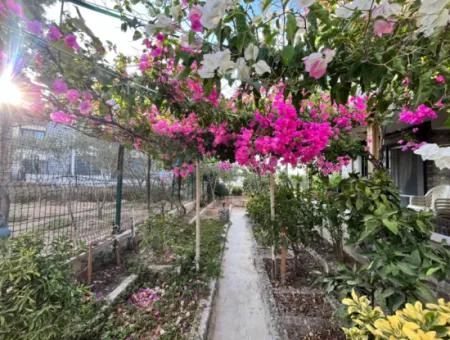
105 27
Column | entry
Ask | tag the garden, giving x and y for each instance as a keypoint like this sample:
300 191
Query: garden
315 138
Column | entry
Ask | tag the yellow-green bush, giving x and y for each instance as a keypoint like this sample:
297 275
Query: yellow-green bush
413 322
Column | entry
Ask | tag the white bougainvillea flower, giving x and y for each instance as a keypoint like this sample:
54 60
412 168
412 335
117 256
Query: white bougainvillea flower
305 3
386 10
261 67
347 10
328 54
428 151
162 22
316 63
432 152
251 52
213 11
443 160
242 69
220 61
432 6
428 23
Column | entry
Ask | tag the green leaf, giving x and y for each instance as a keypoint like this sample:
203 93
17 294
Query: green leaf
391 225
432 270
291 27
287 54
137 35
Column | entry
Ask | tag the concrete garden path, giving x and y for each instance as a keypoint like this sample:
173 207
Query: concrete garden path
240 310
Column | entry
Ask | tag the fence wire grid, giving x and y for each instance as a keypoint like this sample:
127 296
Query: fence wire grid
55 181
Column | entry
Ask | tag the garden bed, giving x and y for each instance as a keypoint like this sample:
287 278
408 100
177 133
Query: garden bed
305 311
165 304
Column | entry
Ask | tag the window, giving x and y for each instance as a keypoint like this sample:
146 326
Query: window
38 134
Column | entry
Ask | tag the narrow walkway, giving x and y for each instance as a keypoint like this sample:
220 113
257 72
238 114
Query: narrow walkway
240 312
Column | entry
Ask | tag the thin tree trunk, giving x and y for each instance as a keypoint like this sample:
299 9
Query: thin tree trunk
272 219
197 214
283 256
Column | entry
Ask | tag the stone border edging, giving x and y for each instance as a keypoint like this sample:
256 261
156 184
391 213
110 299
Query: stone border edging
123 286
203 319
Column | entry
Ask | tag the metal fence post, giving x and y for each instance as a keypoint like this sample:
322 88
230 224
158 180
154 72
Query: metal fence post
119 188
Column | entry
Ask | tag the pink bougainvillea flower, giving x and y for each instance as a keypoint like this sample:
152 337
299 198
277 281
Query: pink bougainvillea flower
316 63
382 27
71 41
406 81
439 103
72 96
160 37
225 166
137 144
157 52
60 86
195 17
54 34
421 114
35 27
15 7
440 79
144 63
62 118
85 107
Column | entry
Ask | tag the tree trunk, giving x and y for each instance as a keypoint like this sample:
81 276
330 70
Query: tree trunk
283 261
272 219
198 197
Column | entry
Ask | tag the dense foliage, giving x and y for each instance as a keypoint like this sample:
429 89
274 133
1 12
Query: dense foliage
39 298
414 321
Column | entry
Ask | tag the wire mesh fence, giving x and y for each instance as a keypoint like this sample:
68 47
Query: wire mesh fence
55 181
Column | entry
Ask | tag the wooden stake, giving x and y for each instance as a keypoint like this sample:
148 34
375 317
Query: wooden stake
283 260
197 214
89 265
272 218
117 252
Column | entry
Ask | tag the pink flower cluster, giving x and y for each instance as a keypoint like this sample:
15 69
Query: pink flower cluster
195 18
145 298
80 102
292 137
421 114
410 145
281 135
184 170
225 166
62 118
328 167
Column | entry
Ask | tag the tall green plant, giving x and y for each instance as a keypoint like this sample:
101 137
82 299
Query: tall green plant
401 259
38 297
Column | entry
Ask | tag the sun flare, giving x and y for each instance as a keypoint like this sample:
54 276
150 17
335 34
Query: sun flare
10 93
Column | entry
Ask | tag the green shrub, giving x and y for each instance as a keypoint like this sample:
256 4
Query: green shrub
236 191
221 190
38 298
401 259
